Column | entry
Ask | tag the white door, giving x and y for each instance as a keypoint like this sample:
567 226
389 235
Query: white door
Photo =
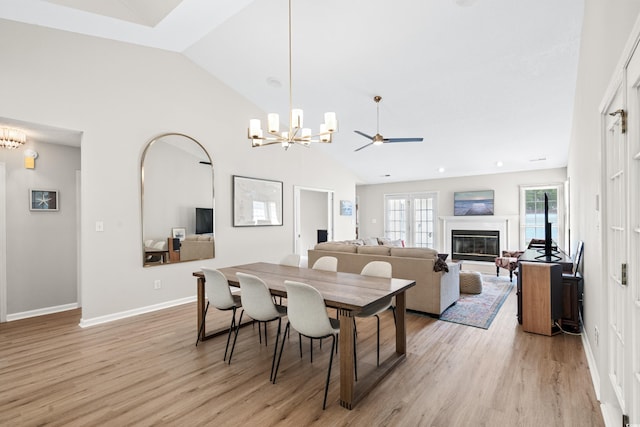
615 147
313 210
632 291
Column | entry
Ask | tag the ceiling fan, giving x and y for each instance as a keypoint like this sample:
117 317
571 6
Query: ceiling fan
379 139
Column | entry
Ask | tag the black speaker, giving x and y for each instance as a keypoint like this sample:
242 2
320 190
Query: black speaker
322 236
176 244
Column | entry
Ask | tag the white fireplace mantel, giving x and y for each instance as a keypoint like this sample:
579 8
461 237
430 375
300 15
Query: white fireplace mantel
488 223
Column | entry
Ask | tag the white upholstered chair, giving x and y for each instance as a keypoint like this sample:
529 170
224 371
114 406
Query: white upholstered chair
308 315
378 269
326 263
292 260
257 303
220 295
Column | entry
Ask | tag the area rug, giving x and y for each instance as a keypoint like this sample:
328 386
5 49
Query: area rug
480 310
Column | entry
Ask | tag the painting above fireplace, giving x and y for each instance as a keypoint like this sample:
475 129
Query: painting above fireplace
473 203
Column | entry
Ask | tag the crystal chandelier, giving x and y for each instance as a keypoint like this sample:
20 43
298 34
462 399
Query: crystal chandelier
12 138
295 133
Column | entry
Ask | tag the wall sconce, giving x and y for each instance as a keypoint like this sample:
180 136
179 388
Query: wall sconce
30 157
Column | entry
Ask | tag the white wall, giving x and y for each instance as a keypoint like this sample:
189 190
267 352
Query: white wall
506 188
121 96
606 28
41 246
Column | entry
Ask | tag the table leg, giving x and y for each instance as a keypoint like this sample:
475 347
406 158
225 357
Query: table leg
346 358
401 326
200 307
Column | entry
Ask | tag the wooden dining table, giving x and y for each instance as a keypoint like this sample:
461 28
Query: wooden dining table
349 294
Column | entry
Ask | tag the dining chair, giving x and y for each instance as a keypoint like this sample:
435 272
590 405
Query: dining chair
292 260
377 269
326 263
221 296
307 314
257 303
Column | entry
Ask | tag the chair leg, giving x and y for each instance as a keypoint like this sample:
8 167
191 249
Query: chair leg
275 349
497 271
231 328
235 336
311 350
326 387
511 275
299 341
275 374
204 317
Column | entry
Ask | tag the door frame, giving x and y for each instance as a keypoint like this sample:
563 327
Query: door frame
3 243
296 213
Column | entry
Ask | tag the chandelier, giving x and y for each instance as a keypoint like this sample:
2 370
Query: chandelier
12 138
295 133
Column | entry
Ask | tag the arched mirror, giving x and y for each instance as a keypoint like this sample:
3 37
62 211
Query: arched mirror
177 201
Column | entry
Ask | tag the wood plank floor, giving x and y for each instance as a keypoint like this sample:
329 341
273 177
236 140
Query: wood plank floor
146 371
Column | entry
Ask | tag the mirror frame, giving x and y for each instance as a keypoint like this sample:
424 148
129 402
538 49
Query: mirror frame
142 159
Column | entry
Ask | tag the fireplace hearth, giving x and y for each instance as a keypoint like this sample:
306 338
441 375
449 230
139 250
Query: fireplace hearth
475 245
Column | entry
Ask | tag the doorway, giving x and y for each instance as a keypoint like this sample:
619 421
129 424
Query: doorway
313 211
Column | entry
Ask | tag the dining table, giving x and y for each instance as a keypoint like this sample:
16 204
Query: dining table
347 292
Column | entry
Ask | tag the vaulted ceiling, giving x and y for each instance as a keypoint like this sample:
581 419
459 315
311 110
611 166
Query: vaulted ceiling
484 82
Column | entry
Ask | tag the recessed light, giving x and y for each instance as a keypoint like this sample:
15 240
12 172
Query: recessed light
499 164
441 170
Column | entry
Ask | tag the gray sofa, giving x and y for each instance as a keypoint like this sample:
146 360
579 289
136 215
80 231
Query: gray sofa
434 292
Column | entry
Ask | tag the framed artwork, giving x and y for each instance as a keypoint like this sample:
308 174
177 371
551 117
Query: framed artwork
256 202
178 233
346 208
43 200
471 203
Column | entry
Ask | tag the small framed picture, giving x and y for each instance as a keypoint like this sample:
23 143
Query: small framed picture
346 208
178 233
43 200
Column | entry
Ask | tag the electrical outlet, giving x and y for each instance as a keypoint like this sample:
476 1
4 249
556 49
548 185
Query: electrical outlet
157 284
597 335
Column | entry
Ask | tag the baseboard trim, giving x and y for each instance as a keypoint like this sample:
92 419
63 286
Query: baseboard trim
41 311
84 323
591 361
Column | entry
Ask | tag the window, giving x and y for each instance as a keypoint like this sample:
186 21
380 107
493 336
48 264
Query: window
532 213
411 218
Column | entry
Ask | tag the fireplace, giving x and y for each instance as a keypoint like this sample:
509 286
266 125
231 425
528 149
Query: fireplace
475 245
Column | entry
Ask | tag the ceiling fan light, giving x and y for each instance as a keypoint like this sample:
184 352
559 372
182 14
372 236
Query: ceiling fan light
331 121
377 139
273 123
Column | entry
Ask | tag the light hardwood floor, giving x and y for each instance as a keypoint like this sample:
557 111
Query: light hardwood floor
146 371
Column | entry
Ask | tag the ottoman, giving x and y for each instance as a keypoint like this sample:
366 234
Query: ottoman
470 282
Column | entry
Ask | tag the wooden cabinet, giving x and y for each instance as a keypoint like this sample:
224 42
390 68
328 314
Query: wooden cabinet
540 296
571 302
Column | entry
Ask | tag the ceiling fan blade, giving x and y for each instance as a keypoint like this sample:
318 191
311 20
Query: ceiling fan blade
403 139
364 146
363 134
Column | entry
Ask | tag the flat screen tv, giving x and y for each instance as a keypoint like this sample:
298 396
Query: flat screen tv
204 221
548 251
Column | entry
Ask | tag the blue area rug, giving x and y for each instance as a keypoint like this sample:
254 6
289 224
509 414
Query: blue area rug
479 310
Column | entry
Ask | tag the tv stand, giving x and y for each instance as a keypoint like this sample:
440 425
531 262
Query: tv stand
541 293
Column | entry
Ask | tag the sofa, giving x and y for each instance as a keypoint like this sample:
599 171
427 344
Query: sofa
197 246
434 291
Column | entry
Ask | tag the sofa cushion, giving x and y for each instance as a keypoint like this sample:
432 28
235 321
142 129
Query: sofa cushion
374 250
337 247
414 252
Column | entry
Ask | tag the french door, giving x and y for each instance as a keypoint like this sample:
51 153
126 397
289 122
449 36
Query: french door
411 218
